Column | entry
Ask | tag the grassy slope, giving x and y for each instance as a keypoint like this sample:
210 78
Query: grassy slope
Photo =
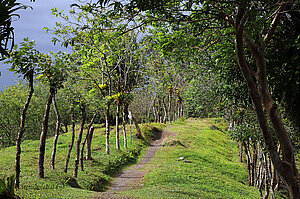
214 171
55 183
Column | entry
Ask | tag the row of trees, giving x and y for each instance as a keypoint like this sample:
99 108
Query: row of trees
210 57
251 26
103 71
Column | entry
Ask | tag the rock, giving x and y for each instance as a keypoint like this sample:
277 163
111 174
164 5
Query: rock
181 158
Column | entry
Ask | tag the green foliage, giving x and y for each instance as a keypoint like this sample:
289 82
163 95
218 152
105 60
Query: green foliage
25 60
8 10
7 187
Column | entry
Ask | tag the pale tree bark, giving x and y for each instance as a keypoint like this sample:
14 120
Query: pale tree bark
85 140
78 141
154 113
107 127
21 131
117 126
262 100
124 127
159 111
56 132
169 105
165 111
44 134
72 140
130 121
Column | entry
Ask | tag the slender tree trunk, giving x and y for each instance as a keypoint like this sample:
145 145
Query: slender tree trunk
124 128
241 151
66 127
130 121
85 140
154 114
56 132
181 110
117 127
107 127
78 141
138 130
89 139
169 107
260 96
89 145
165 112
267 182
44 134
248 156
21 132
72 140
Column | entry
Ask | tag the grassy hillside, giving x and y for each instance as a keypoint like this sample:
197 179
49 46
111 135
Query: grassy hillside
57 184
210 169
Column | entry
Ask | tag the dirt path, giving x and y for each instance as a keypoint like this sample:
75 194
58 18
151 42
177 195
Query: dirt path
132 177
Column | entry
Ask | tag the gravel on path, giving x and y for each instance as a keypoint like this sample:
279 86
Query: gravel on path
132 177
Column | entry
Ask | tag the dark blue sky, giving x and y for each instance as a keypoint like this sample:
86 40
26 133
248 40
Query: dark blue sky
31 25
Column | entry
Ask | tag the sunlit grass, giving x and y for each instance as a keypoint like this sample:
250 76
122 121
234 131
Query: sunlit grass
212 168
96 175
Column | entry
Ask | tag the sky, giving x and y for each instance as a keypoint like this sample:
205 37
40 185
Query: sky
31 24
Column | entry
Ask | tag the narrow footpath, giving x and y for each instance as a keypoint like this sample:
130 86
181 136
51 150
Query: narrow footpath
131 178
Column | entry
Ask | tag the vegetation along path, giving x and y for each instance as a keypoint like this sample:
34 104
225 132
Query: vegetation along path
198 161
131 178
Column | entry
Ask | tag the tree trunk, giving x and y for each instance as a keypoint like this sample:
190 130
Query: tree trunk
85 140
181 110
138 130
159 111
78 141
21 131
107 127
66 127
89 145
248 156
169 107
165 111
154 113
44 134
72 140
89 139
267 184
56 132
254 162
117 127
130 120
124 128
261 96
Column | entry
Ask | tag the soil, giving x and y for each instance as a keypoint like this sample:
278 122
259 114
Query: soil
132 177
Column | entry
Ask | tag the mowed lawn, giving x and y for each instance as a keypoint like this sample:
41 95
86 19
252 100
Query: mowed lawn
210 168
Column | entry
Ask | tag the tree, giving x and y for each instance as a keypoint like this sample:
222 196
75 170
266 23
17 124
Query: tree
214 20
24 62
52 74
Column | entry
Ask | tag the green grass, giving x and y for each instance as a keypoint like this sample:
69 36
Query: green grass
214 170
57 184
